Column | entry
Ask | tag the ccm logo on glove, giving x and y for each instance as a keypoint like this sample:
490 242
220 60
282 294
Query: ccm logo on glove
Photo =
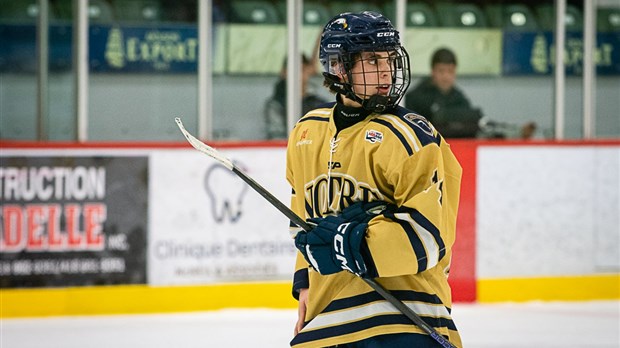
333 245
339 246
336 242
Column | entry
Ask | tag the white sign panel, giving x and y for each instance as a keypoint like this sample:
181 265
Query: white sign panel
208 226
548 211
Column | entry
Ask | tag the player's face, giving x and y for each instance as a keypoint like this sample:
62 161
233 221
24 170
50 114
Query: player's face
444 76
372 73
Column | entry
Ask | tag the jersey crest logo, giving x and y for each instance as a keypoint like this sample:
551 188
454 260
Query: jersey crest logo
327 194
373 136
420 122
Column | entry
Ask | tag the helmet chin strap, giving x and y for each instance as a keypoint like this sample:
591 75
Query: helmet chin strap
376 103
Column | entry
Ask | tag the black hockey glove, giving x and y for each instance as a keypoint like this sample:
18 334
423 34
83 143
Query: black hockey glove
333 245
363 211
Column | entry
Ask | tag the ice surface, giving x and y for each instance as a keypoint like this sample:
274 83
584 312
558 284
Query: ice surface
535 324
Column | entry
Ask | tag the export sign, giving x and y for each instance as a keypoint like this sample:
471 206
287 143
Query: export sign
533 53
72 221
134 49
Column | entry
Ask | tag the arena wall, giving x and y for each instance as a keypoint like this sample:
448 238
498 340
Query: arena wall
170 230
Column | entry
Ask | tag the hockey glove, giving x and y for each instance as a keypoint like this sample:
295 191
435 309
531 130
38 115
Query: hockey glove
363 211
333 245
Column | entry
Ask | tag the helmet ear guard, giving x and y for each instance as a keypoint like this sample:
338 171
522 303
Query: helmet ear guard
339 66
335 65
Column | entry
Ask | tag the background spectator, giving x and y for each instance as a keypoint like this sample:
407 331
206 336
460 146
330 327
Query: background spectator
437 98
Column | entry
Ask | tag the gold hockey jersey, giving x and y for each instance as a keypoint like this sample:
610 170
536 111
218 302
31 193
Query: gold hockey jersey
397 157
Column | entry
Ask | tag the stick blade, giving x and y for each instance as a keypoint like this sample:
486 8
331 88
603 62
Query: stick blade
202 147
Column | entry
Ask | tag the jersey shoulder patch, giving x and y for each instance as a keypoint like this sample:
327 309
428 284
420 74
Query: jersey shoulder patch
424 130
413 130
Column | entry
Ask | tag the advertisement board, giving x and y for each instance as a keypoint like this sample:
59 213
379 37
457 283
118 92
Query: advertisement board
173 49
208 226
533 53
73 220
134 49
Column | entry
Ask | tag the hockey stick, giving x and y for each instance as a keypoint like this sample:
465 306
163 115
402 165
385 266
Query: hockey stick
211 152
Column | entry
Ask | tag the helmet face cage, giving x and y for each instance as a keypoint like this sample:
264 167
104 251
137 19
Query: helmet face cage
378 79
365 62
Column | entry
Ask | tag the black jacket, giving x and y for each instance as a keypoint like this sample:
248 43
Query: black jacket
450 113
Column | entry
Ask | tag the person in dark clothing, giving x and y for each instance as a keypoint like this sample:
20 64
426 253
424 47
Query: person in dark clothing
439 100
275 108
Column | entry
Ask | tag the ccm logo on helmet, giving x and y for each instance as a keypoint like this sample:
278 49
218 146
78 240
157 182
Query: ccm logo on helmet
385 34
334 45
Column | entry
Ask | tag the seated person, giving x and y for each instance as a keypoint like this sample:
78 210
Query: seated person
275 108
439 100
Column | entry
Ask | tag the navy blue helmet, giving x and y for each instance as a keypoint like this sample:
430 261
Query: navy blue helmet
356 38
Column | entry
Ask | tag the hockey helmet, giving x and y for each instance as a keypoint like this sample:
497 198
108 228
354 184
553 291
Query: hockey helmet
343 40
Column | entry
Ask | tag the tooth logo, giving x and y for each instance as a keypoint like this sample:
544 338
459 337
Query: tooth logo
226 192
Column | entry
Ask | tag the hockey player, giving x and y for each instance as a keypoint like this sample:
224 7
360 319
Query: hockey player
382 187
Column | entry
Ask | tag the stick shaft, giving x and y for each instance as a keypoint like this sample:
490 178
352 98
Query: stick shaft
273 200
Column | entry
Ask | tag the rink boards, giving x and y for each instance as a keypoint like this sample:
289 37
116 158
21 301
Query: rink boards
162 228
